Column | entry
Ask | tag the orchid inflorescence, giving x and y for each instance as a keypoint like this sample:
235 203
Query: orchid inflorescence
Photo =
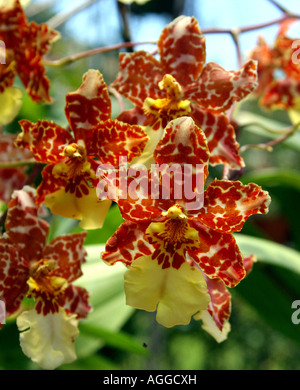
179 251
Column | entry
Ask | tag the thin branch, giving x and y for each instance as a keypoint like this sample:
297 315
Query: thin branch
62 17
123 11
251 27
279 6
92 52
269 145
235 33
16 164
269 130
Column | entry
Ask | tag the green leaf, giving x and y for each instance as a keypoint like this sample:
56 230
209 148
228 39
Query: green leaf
269 252
273 284
272 177
118 340
106 287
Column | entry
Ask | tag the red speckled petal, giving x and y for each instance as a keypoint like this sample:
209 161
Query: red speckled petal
220 304
182 49
136 191
14 272
184 147
23 226
35 42
88 105
12 23
44 139
7 74
248 263
49 184
220 135
28 42
139 76
68 252
143 194
9 152
218 256
127 244
10 180
217 89
263 54
182 143
286 54
77 301
281 94
112 139
135 116
228 204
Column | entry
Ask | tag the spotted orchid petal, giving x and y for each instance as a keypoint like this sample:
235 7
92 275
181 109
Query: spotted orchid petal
282 94
134 116
138 77
176 294
228 204
112 139
48 340
220 303
283 48
10 180
68 252
217 89
76 301
14 272
11 153
143 194
88 105
127 244
44 139
263 54
218 255
182 49
23 226
183 143
220 136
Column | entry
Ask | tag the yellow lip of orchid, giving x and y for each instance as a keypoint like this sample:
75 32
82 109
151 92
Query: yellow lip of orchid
173 104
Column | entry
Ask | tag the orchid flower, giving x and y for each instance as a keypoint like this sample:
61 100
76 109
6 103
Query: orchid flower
45 272
171 245
69 178
25 45
181 84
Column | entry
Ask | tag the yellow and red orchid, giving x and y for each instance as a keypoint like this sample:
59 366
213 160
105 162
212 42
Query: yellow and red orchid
69 180
44 271
273 92
25 45
11 178
170 245
181 84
